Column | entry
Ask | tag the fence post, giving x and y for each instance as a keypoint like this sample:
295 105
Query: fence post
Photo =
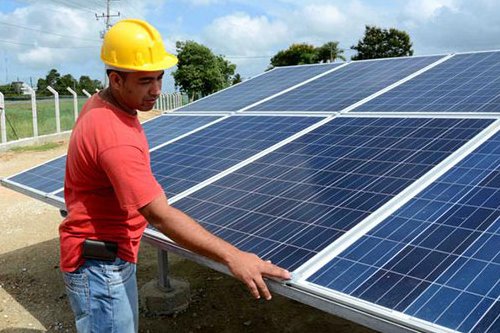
27 90
75 101
56 105
162 102
86 93
169 98
2 119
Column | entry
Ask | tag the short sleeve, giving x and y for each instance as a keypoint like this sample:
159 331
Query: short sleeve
130 174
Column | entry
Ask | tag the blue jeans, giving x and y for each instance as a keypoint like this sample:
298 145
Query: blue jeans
103 296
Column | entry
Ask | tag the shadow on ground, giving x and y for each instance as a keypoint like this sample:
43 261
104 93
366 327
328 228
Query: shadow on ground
218 303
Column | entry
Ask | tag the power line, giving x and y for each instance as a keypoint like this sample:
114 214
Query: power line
72 5
47 32
48 47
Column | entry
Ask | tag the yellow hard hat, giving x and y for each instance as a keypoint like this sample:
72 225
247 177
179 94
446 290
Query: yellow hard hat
135 45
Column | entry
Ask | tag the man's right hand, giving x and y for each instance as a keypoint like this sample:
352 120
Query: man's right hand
251 270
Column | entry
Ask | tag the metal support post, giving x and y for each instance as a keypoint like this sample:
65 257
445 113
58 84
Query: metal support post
75 101
179 100
27 90
163 280
2 119
86 93
56 105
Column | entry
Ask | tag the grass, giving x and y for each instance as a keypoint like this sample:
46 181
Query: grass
44 147
19 121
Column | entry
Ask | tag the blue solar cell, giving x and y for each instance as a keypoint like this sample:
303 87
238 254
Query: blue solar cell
346 86
293 202
443 265
46 178
163 128
205 153
49 177
463 83
258 88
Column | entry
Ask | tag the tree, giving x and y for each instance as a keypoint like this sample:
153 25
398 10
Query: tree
296 54
300 54
51 79
63 82
382 43
200 72
329 52
85 82
237 78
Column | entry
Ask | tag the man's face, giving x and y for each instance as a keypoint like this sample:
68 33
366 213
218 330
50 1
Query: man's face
138 90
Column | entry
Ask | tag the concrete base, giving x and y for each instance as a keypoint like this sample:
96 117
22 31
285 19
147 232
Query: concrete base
155 300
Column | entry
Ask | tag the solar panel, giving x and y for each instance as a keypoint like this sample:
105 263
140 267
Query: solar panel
464 83
292 203
437 258
345 86
258 88
45 178
49 177
166 127
206 153
302 191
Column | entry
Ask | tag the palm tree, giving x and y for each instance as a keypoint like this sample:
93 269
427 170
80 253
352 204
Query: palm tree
329 52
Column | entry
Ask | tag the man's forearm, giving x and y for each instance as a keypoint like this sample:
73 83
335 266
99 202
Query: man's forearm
190 234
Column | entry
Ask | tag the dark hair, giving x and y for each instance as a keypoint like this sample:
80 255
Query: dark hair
123 75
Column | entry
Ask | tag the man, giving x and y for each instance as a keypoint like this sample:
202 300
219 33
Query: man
110 192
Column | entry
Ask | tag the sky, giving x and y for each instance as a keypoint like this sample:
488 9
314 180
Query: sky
38 35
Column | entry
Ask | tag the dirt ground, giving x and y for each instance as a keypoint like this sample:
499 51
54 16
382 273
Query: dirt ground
32 297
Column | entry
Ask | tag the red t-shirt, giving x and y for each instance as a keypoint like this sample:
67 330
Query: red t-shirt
108 178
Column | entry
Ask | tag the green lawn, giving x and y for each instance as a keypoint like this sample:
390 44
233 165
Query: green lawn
19 121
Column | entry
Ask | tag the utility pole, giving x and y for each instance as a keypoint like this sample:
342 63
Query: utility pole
108 25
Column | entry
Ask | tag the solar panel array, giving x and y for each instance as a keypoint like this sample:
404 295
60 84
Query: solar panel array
395 214
293 202
463 83
346 86
438 257
254 90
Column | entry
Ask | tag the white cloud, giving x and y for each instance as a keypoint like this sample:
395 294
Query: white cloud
41 57
46 36
425 9
241 34
203 2
459 25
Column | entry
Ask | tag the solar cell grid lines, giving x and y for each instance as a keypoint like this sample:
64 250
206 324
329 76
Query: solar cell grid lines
41 178
214 149
49 177
295 201
258 88
346 86
166 127
438 257
467 82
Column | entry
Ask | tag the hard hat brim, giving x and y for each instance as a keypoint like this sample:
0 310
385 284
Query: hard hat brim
170 60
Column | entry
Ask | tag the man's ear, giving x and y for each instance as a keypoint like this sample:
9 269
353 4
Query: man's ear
115 80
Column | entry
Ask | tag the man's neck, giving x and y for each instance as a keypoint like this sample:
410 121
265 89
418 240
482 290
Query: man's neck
107 95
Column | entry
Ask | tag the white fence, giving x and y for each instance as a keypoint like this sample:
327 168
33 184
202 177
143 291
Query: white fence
166 102
169 102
